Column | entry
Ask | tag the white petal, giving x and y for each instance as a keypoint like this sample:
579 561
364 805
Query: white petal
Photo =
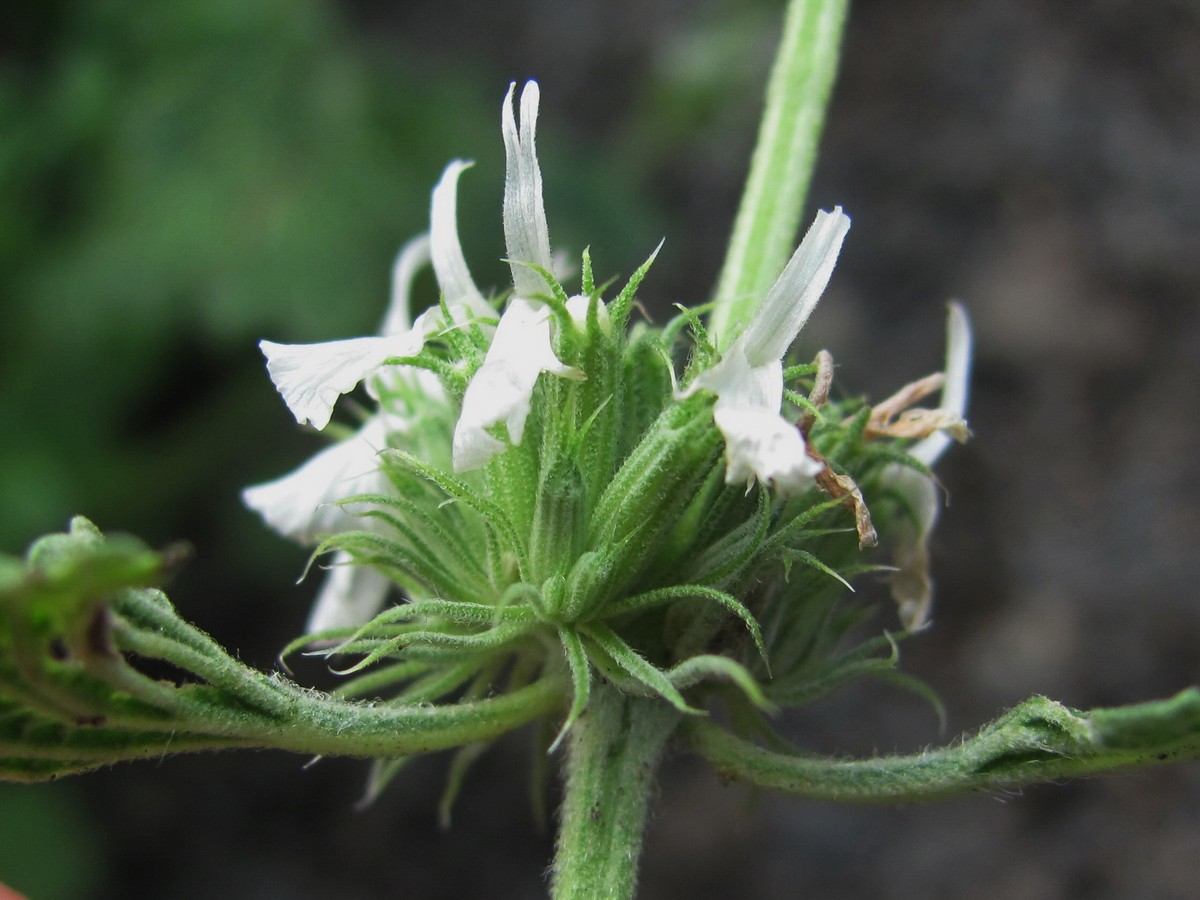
795 293
578 307
409 260
526 234
735 381
761 445
748 380
428 323
473 446
912 588
302 504
563 265
449 264
502 389
957 384
311 377
351 596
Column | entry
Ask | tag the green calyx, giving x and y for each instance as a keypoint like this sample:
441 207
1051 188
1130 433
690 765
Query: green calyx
607 543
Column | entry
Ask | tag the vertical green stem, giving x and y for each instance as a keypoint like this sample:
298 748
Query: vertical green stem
764 233
612 761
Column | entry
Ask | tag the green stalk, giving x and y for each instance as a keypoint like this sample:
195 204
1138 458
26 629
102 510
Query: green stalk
1039 740
34 747
764 233
612 759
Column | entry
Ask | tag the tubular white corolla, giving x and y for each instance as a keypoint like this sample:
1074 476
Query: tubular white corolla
501 391
748 381
303 504
311 377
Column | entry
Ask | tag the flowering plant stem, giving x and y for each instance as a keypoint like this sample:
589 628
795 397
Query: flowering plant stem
1038 740
782 166
90 705
612 761
584 574
615 747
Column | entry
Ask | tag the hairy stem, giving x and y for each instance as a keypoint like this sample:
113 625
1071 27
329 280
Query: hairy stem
764 232
613 756
1039 740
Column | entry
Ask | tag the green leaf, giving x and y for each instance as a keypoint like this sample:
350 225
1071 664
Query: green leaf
492 639
687 591
373 683
494 516
619 309
380 776
460 765
654 679
581 679
699 668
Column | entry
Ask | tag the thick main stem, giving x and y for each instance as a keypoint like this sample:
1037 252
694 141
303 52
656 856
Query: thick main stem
764 232
612 762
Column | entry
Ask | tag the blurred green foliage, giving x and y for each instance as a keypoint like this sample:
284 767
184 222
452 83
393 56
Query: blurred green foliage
179 179
46 849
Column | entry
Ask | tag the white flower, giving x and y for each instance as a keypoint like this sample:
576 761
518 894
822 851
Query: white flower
311 377
955 388
748 381
911 586
501 391
449 264
302 505
526 235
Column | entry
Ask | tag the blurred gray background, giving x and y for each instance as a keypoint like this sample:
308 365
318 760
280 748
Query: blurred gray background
180 179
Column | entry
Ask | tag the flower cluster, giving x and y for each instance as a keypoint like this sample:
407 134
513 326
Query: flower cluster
553 489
